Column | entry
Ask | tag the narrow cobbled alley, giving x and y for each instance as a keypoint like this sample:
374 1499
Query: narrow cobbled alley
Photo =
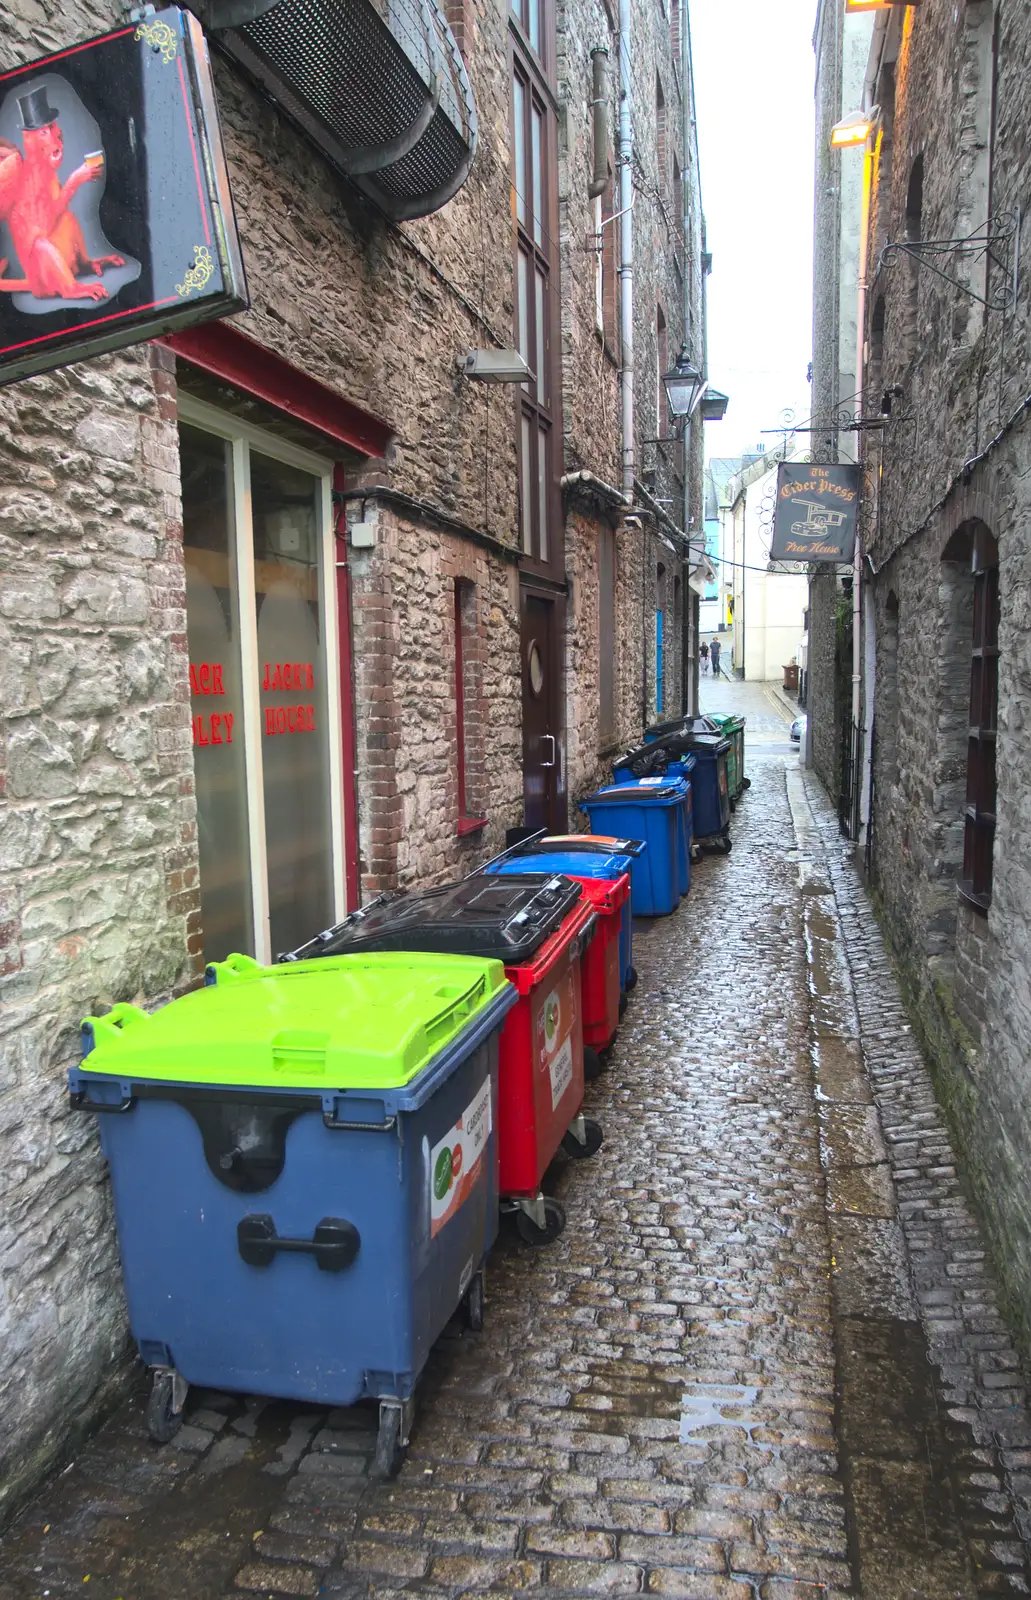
765 1359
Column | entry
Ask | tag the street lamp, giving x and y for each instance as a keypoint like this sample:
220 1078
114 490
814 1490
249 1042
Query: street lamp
684 385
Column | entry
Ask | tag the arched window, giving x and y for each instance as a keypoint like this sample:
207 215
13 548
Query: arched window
979 813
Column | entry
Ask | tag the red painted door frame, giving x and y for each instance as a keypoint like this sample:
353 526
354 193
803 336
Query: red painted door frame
225 353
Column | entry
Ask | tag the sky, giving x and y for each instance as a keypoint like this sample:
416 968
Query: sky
753 71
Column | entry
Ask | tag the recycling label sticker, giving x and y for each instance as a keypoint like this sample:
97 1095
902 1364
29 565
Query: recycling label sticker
561 1069
555 1023
457 1161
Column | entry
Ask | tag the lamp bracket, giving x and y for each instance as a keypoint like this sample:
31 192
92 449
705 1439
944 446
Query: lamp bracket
998 240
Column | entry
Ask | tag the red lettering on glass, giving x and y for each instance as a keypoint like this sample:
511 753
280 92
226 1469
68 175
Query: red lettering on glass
288 719
281 677
206 678
216 728
227 718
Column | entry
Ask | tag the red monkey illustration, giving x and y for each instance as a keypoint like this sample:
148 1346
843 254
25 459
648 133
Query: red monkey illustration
34 204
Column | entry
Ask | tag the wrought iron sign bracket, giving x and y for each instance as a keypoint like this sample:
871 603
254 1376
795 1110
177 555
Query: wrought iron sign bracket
998 240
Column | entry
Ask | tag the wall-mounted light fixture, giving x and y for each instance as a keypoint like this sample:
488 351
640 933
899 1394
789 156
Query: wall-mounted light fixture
713 406
495 366
876 5
854 129
684 385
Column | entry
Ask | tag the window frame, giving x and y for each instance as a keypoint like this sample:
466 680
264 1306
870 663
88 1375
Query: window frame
539 430
242 437
980 805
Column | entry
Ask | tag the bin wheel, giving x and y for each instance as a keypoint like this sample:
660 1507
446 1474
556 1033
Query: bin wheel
390 1452
592 1142
733 802
746 783
726 842
473 1303
163 1423
631 979
556 1221
594 1066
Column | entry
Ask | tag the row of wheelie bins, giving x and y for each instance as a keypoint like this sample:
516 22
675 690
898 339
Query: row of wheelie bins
308 1160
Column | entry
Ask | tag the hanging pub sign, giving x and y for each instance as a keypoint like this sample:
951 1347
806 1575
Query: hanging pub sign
815 517
116 220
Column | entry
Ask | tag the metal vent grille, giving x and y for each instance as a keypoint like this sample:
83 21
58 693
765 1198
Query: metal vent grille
379 86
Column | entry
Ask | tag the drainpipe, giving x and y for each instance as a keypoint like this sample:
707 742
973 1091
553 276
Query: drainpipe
600 114
626 250
857 564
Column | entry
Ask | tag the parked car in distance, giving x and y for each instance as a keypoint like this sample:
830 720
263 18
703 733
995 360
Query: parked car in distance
798 729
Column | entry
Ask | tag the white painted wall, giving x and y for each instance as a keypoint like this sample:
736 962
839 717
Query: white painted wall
769 606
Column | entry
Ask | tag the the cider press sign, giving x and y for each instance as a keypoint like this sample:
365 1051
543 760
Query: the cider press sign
815 519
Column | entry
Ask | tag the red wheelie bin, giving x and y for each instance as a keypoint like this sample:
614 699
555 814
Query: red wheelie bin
538 924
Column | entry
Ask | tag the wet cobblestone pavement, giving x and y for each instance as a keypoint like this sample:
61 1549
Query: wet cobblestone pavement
764 1361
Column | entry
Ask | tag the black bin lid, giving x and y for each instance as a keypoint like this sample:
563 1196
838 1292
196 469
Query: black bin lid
715 743
702 724
499 918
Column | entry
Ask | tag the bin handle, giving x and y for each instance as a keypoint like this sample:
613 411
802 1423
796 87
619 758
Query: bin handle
334 1244
79 1100
110 1025
337 1124
463 1006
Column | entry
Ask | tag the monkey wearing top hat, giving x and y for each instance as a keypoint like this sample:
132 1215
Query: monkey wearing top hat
34 204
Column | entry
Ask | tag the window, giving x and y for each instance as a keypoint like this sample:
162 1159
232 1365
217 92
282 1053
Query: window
661 154
914 233
468 727
261 633
662 355
606 279
534 155
532 19
979 812
659 664
606 635
660 654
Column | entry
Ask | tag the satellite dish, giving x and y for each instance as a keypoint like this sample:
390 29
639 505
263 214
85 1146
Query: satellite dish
218 14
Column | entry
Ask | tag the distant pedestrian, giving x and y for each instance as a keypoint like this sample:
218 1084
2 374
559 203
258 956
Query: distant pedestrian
704 654
714 657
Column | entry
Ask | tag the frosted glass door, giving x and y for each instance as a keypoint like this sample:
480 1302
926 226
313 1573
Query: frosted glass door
216 701
286 509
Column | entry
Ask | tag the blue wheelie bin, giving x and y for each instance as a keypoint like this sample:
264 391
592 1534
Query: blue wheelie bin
711 788
304 1167
648 808
680 769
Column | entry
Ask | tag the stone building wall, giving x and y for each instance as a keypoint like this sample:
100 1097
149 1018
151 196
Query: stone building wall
99 897
98 874
957 454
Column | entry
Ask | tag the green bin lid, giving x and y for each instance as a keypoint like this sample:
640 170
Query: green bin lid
340 1022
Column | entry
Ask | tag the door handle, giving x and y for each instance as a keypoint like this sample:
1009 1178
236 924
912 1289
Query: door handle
554 750
334 1243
